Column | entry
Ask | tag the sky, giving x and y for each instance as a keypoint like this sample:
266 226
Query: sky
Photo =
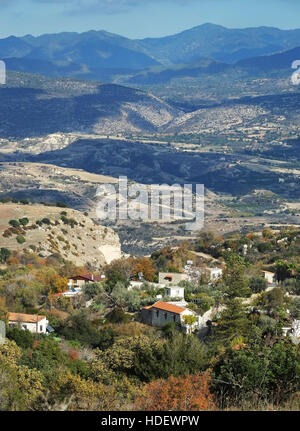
141 18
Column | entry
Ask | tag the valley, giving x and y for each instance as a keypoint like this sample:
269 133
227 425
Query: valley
149 214
229 122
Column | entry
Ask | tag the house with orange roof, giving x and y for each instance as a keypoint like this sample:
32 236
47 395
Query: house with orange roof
33 322
161 313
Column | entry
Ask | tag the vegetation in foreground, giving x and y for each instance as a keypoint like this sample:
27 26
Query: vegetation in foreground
102 358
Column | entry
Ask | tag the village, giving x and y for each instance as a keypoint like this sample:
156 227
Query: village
170 306
197 310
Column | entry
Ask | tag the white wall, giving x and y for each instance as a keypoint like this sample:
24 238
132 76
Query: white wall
39 327
174 292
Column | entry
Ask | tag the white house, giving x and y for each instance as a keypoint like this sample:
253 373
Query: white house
214 273
134 284
174 292
269 276
33 322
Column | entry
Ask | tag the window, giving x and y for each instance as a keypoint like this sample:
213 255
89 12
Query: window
174 318
41 328
157 313
166 316
24 326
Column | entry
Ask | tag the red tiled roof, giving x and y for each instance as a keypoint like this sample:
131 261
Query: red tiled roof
166 307
28 318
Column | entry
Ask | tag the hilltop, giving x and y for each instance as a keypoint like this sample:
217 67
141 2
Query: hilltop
52 230
31 105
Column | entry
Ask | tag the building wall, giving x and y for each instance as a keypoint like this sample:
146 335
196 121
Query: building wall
269 277
175 292
39 327
216 273
157 317
2 332
176 278
161 317
79 283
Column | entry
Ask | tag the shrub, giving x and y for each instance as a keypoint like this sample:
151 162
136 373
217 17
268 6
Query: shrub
20 239
14 223
118 316
45 220
24 221
177 393
61 204
4 254
23 338
258 284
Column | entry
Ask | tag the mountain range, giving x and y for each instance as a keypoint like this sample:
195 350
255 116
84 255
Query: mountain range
207 48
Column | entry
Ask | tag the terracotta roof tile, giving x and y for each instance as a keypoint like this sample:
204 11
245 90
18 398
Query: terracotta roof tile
167 307
28 318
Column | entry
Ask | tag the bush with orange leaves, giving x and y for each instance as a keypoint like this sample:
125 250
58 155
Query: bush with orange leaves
73 354
177 393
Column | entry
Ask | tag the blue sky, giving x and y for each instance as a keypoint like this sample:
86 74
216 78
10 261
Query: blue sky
141 18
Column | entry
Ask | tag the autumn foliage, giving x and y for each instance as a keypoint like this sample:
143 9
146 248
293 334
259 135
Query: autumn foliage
145 266
177 393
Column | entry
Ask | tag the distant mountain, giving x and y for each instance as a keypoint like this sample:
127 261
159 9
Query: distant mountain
65 69
220 43
275 62
160 75
14 47
89 50
93 53
278 64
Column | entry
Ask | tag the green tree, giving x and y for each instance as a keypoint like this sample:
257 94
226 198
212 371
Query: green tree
274 302
24 221
258 284
235 280
232 323
14 223
20 239
91 290
4 254
257 374
284 269
23 338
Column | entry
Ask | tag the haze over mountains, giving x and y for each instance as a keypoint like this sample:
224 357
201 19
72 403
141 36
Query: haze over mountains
105 56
